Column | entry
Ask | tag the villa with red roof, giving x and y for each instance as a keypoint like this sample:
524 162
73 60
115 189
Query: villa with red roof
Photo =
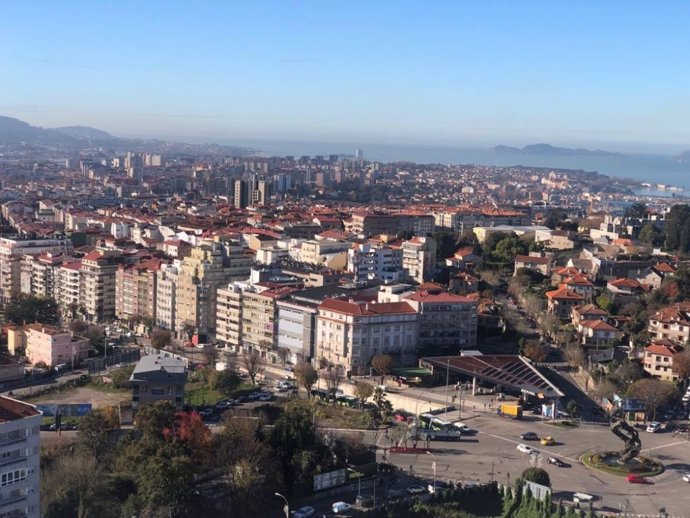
561 301
658 359
598 333
671 323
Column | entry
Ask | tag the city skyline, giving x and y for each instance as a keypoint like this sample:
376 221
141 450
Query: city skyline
449 75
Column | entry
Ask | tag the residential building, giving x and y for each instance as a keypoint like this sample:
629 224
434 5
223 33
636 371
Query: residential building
260 320
598 333
11 252
536 263
562 300
447 322
367 261
166 286
587 312
97 287
464 258
135 290
297 327
349 334
39 274
229 317
68 292
20 453
158 377
658 359
46 344
331 253
626 290
419 258
671 323
201 274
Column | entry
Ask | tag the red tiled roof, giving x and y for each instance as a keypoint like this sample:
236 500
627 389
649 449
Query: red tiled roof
664 267
625 283
663 349
12 410
426 296
564 293
597 325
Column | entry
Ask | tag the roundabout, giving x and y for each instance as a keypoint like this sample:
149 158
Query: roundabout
610 462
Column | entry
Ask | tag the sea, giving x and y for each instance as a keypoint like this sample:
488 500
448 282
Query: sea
656 170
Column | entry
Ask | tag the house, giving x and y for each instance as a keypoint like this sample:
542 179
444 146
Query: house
658 359
463 282
625 290
587 312
464 258
535 263
158 377
671 323
42 343
579 283
598 333
562 300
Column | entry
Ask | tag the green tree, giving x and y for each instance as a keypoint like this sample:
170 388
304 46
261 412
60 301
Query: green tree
29 309
384 408
94 435
537 475
637 210
225 381
121 377
161 338
653 392
677 228
363 391
306 376
382 365
254 365
651 235
604 302
572 408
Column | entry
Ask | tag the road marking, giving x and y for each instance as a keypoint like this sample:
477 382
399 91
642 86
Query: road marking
664 446
506 439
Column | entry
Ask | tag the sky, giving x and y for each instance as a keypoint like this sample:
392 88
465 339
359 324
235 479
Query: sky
612 74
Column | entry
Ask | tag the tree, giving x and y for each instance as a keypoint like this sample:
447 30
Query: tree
333 377
637 210
537 475
94 433
96 336
604 302
536 351
574 355
78 327
382 364
572 408
283 354
651 235
550 323
28 309
306 376
225 381
363 391
681 364
677 227
384 408
161 338
254 365
653 392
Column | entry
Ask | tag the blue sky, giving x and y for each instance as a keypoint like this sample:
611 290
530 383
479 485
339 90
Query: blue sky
462 73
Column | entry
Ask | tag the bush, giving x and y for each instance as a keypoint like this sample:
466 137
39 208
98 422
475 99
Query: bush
537 475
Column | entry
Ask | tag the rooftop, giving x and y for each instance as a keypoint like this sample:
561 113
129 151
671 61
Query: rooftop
12 410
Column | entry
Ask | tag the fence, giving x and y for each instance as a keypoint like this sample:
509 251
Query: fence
95 365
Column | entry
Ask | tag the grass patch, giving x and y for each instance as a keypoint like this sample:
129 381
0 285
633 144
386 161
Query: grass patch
564 424
336 416
647 468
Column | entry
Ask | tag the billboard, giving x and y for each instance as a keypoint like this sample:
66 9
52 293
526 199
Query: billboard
67 410
331 479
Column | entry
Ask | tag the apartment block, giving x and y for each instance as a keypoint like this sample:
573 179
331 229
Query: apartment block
166 284
97 290
229 317
20 451
419 258
260 320
51 345
135 291
349 334
367 261
11 252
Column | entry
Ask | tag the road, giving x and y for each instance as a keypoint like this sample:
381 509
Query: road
492 454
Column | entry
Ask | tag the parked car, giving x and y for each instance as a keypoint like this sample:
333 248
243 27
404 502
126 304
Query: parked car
265 397
686 477
636 479
341 507
654 427
440 486
529 436
304 512
523 448
547 441
462 427
556 462
416 490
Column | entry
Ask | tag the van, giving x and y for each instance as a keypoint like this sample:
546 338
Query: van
582 498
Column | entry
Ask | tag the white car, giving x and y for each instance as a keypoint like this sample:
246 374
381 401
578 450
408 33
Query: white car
462 427
686 477
304 512
653 427
340 507
523 448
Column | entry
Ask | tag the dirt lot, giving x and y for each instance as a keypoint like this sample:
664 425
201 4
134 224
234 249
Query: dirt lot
98 398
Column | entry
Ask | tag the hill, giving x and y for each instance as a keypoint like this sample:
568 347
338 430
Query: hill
549 150
85 132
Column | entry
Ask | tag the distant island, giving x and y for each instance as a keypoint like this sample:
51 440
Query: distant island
549 150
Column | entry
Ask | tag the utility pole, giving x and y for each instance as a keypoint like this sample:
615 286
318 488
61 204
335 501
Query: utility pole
433 466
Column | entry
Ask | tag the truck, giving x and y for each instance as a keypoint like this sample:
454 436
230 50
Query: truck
510 410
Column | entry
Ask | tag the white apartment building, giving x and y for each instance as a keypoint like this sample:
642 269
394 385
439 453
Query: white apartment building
349 334
229 317
11 252
419 258
368 261
165 295
20 450
98 285
39 274
68 292
297 328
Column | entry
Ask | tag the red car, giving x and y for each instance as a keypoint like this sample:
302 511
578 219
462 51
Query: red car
636 479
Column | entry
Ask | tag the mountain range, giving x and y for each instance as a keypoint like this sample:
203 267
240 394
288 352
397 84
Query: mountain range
549 150
15 133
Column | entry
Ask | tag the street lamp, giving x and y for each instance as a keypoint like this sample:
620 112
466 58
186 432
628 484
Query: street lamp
433 466
286 507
